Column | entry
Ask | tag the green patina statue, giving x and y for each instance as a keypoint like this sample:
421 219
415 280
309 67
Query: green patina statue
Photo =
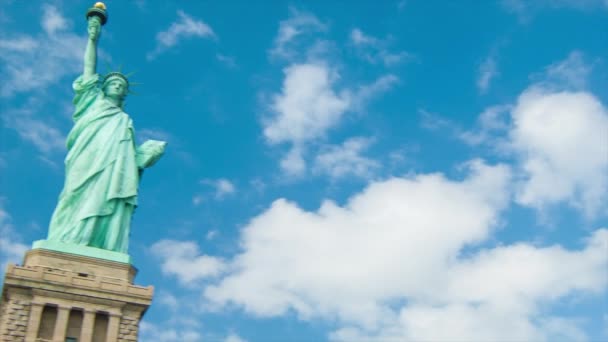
103 165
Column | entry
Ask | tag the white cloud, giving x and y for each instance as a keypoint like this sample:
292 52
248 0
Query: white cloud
185 27
197 199
526 9
182 260
359 38
144 134
11 249
152 333
560 139
293 164
307 105
346 160
212 234
31 63
493 122
232 337
385 240
375 50
228 61
311 101
223 187
52 20
397 246
387 266
557 132
298 24
488 70
571 72
365 93
168 300
40 133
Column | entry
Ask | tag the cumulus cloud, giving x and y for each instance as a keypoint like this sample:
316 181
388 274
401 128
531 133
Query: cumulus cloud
557 132
312 101
346 160
388 265
185 27
182 260
385 240
375 50
309 105
560 139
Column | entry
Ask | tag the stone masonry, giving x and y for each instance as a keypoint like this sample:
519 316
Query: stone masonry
65 283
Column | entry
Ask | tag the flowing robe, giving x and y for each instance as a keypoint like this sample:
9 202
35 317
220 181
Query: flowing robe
102 175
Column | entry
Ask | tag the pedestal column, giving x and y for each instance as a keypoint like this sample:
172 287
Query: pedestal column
34 321
113 325
88 320
61 326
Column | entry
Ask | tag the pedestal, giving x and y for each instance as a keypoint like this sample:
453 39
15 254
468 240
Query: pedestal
57 295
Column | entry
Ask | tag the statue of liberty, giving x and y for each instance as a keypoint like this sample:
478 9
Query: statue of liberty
103 165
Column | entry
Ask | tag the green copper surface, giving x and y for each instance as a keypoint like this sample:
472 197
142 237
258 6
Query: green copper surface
82 250
102 168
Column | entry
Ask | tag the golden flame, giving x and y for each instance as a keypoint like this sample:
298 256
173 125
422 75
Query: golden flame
100 5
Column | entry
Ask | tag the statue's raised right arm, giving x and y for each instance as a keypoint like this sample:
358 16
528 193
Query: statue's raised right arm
90 54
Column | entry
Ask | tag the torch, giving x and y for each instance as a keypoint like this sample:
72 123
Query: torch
98 10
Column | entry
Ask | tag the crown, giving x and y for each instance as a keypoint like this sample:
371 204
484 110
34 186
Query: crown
119 74
114 74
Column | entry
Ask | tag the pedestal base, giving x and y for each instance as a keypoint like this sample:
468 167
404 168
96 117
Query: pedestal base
56 295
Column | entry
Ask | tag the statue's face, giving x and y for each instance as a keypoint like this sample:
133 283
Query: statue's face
116 88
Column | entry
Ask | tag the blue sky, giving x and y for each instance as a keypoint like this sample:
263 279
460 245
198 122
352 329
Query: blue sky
344 171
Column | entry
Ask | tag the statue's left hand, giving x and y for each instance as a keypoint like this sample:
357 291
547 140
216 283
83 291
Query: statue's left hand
149 153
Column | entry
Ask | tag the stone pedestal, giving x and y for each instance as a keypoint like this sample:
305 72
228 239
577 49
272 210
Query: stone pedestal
55 296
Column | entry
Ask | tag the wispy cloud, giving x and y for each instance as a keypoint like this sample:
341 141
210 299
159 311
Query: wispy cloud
525 10
232 337
228 61
43 134
11 249
152 333
185 27
572 72
346 160
223 187
375 50
31 63
298 24
488 70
